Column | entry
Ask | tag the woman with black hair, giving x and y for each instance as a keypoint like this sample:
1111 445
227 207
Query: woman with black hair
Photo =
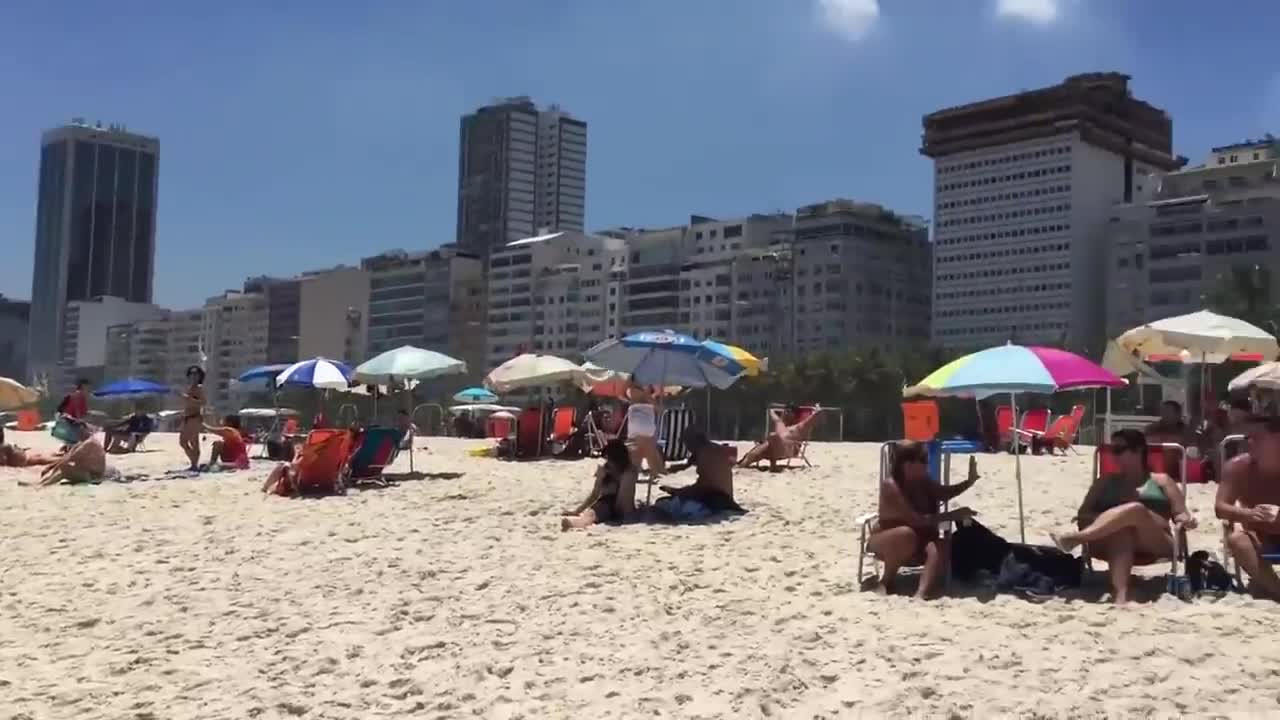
192 416
1125 516
613 495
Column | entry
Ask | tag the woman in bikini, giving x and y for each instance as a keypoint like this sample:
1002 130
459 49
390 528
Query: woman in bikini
1125 515
192 416
14 456
613 495
907 532
642 429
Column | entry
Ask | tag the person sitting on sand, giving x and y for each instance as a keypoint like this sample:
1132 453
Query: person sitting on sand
613 494
907 532
125 435
193 400
230 447
784 442
714 484
1250 483
14 456
1125 516
85 462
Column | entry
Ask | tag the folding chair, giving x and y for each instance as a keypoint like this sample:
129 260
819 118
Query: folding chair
563 424
1061 434
529 433
321 464
1034 421
1004 427
377 450
868 523
671 428
596 437
1158 458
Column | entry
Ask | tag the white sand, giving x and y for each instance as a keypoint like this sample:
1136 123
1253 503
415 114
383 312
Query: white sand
460 597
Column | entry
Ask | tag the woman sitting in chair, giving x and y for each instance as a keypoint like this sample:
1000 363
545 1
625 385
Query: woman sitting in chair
909 518
1125 515
613 495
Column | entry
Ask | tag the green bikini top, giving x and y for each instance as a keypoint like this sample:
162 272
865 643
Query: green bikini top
1150 494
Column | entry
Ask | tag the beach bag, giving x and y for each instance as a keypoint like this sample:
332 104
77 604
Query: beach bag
1064 569
1206 574
975 548
1020 577
66 431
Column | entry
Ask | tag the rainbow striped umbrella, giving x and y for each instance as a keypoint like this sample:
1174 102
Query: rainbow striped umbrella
1014 369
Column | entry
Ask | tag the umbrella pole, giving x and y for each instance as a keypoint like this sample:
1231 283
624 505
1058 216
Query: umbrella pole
1017 468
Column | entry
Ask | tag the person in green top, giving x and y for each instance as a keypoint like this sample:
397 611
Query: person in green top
1125 515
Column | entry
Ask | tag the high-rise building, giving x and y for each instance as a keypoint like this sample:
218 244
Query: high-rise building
95 226
85 334
1201 226
1020 185
433 300
14 318
521 170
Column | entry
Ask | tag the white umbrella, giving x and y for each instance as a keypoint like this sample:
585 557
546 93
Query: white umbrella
1266 376
407 363
530 370
1201 337
14 394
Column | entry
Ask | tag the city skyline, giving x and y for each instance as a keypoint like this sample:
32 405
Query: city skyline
722 114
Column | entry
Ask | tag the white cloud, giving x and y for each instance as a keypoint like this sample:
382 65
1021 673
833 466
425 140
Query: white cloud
850 19
1036 12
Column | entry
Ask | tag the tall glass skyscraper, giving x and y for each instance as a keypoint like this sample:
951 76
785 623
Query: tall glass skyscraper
95 226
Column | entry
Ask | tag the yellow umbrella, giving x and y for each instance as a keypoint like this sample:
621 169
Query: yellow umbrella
752 364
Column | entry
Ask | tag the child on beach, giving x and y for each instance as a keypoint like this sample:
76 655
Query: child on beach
230 448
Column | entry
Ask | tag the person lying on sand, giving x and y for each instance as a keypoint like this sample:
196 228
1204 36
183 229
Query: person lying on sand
1247 496
714 484
14 456
85 462
613 494
1125 516
229 448
907 532
784 442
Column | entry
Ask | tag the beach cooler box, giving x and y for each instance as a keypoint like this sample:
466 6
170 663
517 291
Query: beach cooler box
939 448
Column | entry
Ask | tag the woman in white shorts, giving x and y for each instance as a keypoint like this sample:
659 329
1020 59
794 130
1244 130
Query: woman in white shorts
642 429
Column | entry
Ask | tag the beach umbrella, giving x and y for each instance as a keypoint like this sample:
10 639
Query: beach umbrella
1011 369
1266 376
131 387
1200 337
666 358
14 394
475 395
531 370
407 363
751 364
483 407
317 373
263 373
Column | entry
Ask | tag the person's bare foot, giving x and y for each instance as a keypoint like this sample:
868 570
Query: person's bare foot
566 524
1061 542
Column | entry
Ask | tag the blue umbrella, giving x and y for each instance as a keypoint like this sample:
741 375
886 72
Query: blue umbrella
263 373
475 395
317 373
131 387
666 358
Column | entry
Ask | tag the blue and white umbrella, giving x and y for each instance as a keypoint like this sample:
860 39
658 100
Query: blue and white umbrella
263 373
666 358
131 387
317 373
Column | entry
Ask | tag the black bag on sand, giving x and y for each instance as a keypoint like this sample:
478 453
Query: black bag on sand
975 548
1207 574
1063 569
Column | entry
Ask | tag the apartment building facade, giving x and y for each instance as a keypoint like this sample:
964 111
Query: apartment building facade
520 168
556 293
85 335
15 316
433 300
1021 184
1203 223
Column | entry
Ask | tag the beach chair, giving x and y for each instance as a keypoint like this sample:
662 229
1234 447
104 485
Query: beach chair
1034 421
321 464
1004 427
28 419
377 450
596 438
671 429
563 423
529 433
868 522
1060 435
920 420
1158 458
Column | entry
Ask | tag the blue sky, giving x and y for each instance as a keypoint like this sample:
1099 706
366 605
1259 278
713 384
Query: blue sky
297 135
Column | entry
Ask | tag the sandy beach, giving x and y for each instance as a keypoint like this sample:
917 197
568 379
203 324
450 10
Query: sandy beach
456 595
